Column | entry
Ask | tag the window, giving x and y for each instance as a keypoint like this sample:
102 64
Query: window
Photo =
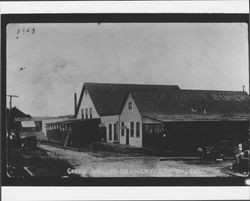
90 113
86 113
110 131
132 129
130 106
122 129
115 133
137 129
82 113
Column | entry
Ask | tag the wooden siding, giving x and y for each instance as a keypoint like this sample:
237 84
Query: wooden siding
87 103
131 115
188 136
106 120
75 133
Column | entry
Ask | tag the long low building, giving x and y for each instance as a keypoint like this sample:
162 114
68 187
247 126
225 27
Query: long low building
164 116
41 121
74 132
184 120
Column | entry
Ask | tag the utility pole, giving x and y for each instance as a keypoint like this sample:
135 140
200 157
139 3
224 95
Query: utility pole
11 96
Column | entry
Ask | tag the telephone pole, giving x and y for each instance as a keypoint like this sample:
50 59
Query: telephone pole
11 96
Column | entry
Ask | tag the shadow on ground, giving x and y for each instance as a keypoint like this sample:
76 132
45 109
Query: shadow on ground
35 162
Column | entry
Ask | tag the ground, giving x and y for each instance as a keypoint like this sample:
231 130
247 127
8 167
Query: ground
35 162
109 164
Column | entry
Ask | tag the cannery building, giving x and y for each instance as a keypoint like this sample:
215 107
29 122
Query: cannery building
105 101
164 116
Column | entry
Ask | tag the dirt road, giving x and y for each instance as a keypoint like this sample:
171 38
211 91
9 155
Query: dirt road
98 164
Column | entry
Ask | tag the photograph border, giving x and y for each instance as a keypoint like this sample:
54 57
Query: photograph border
108 18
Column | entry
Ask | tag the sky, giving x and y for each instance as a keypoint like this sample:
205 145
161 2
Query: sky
47 63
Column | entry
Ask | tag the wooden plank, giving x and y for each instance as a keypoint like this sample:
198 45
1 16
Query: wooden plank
67 139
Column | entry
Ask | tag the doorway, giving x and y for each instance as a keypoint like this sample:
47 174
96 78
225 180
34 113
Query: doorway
115 133
103 133
127 136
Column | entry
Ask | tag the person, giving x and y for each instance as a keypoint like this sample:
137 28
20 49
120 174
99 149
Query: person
244 167
246 153
238 156
200 152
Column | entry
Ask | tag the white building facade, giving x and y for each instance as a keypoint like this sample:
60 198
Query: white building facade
114 105
131 124
130 112
87 110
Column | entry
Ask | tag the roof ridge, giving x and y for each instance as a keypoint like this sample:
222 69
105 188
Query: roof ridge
205 90
139 84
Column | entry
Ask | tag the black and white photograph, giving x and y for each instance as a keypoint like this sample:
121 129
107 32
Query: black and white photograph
141 99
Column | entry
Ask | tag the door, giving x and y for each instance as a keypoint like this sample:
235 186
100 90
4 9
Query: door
127 136
115 133
103 133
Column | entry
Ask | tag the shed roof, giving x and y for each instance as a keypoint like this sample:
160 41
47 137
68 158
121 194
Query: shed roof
72 121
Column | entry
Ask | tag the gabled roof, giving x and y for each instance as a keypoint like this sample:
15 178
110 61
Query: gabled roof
108 99
168 101
193 105
15 112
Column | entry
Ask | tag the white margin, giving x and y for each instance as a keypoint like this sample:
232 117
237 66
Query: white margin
202 6
124 193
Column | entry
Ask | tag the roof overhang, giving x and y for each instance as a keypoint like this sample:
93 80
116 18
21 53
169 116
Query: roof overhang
197 117
72 121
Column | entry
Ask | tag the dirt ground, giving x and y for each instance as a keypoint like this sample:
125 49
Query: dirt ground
35 162
101 164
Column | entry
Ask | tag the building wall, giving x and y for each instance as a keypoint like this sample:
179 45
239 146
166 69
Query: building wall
127 116
51 120
87 103
106 121
43 121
